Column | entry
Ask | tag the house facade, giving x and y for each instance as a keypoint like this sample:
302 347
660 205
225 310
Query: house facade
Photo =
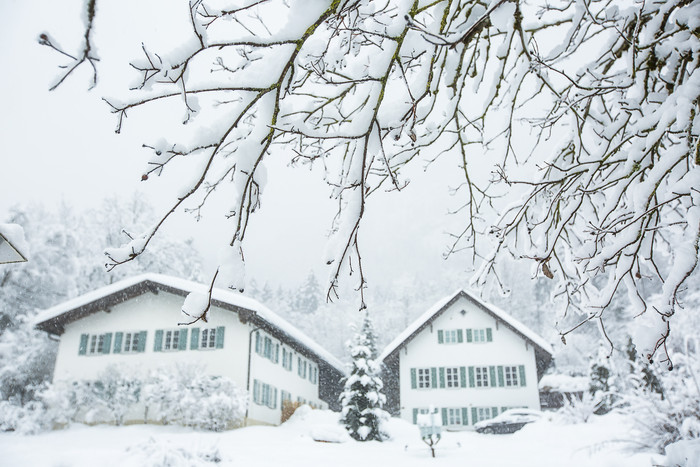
465 358
134 324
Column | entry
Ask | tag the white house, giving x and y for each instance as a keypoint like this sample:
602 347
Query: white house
466 358
134 323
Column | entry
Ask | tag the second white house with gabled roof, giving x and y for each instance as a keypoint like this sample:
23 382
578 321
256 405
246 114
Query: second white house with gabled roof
134 323
468 359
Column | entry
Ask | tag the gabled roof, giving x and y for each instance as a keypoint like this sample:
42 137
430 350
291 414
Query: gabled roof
543 351
53 320
12 243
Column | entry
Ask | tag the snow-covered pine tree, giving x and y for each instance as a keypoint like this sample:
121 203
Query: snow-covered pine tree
362 399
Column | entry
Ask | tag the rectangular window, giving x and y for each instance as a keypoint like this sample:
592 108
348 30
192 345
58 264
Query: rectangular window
172 340
208 339
482 376
95 344
511 373
287 359
452 377
484 413
423 378
479 335
454 416
264 394
132 342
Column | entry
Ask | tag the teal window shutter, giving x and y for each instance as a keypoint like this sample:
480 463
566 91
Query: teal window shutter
433 377
521 369
415 416
277 353
118 342
107 343
258 343
492 376
413 373
462 377
471 376
82 349
489 335
220 337
503 409
442 377
469 335
441 338
474 415
158 343
460 336
465 416
182 340
500 376
194 339
494 411
142 342
444 416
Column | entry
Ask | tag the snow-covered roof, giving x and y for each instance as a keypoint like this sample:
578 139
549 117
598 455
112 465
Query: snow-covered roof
52 319
564 383
12 244
443 304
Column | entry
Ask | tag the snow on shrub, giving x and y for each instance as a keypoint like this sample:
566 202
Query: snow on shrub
183 395
166 454
662 419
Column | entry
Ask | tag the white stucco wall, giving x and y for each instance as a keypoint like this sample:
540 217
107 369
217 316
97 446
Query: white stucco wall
506 348
151 312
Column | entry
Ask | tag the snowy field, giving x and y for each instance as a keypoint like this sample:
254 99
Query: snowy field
600 443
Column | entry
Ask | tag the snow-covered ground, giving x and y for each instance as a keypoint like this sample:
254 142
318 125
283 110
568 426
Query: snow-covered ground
600 443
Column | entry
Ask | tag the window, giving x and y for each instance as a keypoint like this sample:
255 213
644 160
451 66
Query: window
132 342
483 413
172 340
285 396
301 367
450 336
480 335
287 359
313 373
511 373
95 344
454 416
482 376
208 338
452 377
423 378
264 394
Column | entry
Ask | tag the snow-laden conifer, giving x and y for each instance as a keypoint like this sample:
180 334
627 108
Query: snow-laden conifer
362 399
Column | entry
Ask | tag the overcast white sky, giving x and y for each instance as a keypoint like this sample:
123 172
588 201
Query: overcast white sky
61 145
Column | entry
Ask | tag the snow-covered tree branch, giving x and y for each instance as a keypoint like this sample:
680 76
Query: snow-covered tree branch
585 112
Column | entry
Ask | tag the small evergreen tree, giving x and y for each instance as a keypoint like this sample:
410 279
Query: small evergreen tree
362 399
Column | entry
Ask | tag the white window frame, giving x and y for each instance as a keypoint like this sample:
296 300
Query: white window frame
171 340
95 344
450 336
131 342
479 335
511 376
454 416
452 377
207 338
423 378
481 376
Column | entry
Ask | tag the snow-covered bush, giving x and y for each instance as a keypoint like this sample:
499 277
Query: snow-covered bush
115 392
183 395
362 399
30 418
166 454
577 410
664 419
